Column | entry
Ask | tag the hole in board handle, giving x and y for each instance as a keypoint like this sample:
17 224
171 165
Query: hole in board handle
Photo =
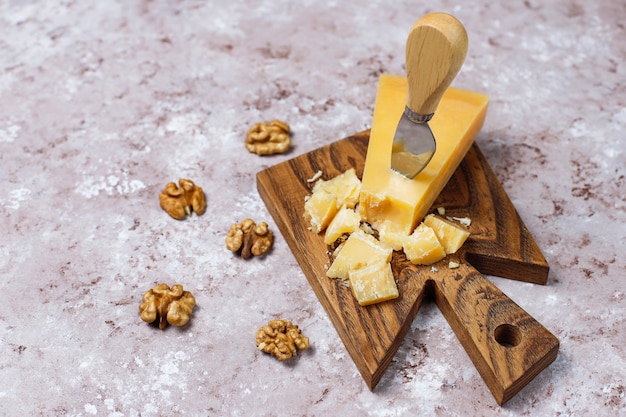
508 335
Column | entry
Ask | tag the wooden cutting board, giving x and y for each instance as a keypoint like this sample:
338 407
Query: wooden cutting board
507 346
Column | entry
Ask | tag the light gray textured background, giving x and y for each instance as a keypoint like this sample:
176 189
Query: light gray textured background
103 102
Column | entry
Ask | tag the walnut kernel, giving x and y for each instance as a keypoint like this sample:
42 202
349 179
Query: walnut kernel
268 138
179 202
249 238
173 306
280 338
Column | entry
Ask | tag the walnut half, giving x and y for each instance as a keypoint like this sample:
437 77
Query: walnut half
179 202
268 138
168 305
280 338
249 238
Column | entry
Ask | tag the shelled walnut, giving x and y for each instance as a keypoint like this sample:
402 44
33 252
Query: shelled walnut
280 338
268 138
173 306
179 202
249 238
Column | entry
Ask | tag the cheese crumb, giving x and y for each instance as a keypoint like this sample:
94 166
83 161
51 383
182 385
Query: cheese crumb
433 269
441 210
465 221
315 177
365 227
453 265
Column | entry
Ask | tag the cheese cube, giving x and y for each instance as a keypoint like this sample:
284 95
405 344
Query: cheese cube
345 221
422 247
373 283
390 236
320 209
345 187
358 250
449 234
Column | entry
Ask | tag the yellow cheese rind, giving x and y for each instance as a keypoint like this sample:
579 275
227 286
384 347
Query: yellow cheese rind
345 187
358 250
373 283
390 200
320 209
345 221
449 234
422 247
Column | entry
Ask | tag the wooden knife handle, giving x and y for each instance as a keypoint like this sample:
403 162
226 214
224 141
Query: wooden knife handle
506 344
435 51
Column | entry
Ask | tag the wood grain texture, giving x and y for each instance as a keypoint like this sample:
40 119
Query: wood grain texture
507 345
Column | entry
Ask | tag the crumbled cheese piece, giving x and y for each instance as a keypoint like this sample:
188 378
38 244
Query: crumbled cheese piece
367 228
465 221
433 269
453 265
315 177
373 283
441 210
450 234
358 251
338 249
345 221
422 247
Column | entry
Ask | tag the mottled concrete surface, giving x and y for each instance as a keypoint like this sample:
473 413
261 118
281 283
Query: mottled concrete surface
103 102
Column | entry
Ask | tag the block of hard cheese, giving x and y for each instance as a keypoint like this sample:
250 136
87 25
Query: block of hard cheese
391 202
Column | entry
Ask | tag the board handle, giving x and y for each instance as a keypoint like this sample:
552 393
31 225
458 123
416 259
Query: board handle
435 51
506 344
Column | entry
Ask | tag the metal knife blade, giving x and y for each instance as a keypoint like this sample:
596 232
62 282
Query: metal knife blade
435 50
413 145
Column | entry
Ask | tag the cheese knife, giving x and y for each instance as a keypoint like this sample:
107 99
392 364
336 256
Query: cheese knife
435 51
